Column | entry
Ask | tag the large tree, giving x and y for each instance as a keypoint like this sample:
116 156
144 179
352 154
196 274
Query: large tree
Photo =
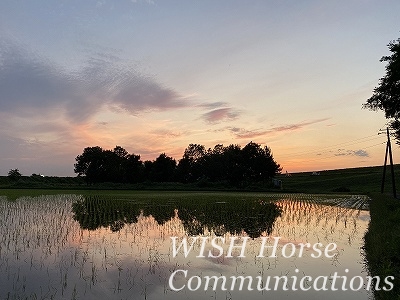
163 169
232 164
386 96
190 167
90 164
259 163
117 165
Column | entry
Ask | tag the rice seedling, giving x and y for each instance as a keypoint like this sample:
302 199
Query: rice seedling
119 247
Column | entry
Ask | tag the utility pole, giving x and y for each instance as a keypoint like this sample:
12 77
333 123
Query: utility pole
388 150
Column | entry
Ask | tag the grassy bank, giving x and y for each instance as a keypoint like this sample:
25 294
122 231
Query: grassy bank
354 180
382 242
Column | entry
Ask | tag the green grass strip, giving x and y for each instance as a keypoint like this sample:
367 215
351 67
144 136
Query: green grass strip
382 242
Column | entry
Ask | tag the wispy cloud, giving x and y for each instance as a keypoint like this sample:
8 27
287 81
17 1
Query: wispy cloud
244 133
296 126
166 133
221 114
31 84
344 152
146 1
212 105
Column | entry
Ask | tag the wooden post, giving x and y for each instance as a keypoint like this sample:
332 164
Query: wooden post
391 164
388 150
384 168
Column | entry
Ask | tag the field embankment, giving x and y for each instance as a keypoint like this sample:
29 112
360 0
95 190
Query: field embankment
382 242
355 180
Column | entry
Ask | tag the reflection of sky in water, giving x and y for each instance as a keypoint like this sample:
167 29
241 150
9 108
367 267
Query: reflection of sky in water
45 254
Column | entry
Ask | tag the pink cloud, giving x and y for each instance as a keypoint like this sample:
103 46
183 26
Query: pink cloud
244 133
220 114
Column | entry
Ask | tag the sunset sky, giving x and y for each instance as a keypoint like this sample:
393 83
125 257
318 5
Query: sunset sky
153 76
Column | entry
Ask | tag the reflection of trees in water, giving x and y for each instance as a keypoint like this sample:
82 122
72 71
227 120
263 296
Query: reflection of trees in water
95 212
235 216
252 217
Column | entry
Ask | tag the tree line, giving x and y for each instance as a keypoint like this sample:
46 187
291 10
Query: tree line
232 164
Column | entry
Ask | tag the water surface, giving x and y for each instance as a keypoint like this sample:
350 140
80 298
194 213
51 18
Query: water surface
76 247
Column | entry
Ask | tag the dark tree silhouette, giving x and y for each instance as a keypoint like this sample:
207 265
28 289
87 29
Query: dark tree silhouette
148 170
163 169
120 152
215 164
117 165
89 164
14 174
134 169
190 167
258 163
232 165
386 96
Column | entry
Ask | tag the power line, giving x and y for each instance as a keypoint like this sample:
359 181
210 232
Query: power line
335 146
335 155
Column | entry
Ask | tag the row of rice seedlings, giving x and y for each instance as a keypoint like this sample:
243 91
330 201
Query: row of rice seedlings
41 240
360 202
314 221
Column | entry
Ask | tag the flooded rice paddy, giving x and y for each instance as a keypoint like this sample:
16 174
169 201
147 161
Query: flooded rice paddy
258 246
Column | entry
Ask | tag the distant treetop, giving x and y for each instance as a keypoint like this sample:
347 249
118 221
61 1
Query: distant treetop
14 174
